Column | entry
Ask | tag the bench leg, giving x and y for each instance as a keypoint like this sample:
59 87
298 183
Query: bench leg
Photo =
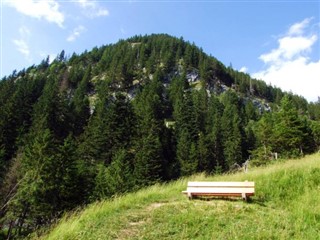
244 196
189 195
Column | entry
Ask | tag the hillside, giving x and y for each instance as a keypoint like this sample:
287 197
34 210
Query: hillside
286 206
122 117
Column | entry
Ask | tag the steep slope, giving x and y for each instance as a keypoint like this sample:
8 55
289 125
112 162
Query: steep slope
285 207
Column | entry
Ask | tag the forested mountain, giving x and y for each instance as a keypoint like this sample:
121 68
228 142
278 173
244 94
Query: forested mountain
127 115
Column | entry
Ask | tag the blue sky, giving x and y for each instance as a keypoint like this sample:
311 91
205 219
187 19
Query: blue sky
277 41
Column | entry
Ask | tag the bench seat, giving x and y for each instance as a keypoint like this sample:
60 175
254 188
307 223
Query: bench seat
220 189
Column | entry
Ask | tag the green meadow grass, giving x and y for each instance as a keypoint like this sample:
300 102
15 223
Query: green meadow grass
286 206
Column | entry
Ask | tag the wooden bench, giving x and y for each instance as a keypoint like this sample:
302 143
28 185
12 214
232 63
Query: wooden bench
220 189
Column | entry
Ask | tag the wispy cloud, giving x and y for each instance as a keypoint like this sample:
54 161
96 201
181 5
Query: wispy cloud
123 31
48 10
92 9
24 31
244 69
289 66
298 28
86 3
21 43
76 33
22 47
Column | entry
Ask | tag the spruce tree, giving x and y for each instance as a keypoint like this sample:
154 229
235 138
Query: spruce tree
148 162
203 156
288 131
214 135
315 127
200 102
264 131
80 104
117 178
188 166
231 129
149 159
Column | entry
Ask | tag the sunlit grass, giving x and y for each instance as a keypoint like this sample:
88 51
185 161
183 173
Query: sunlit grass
286 206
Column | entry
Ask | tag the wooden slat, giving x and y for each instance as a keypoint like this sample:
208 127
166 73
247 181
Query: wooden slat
219 194
222 194
221 184
219 190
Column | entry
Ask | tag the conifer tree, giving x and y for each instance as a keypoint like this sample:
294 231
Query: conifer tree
264 134
203 156
231 129
117 178
177 90
49 183
214 135
289 131
315 127
80 104
200 102
149 162
186 154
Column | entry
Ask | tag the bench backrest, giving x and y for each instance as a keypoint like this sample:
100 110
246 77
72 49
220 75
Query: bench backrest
222 184
221 187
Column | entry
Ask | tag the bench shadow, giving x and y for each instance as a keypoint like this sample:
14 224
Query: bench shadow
259 202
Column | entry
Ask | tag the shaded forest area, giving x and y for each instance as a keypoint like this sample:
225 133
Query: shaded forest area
131 114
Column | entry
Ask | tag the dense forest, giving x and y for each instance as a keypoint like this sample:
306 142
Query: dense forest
124 116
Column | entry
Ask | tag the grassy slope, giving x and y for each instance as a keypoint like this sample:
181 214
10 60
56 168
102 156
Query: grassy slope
286 206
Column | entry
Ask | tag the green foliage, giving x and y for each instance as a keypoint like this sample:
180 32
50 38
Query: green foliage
284 132
288 130
115 179
264 133
49 183
203 154
214 135
232 130
148 162
314 110
315 127
80 104
186 154
149 159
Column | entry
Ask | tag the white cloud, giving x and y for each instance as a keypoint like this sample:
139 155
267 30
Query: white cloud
24 31
298 28
21 43
49 10
289 47
101 12
76 33
22 47
289 66
87 4
244 69
92 9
